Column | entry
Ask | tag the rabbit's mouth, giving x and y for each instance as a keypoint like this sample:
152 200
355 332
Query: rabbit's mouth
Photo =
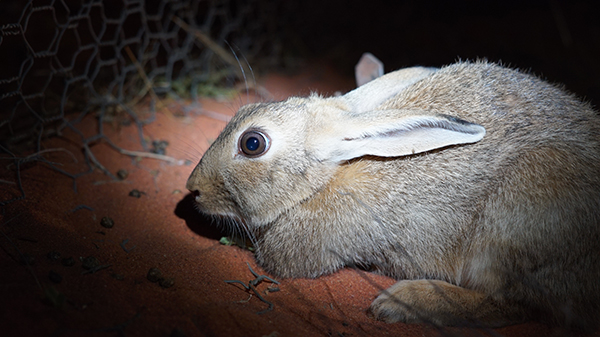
202 207
220 210
239 233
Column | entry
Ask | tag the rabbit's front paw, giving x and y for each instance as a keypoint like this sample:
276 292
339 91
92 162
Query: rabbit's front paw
442 304
403 302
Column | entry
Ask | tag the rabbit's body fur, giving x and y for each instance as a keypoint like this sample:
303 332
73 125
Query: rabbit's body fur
491 230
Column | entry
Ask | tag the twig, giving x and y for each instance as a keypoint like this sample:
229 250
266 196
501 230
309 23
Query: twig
95 269
148 84
123 243
210 44
33 156
79 207
252 286
93 159
151 155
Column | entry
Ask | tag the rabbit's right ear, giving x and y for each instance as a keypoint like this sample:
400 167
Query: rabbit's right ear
374 93
391 133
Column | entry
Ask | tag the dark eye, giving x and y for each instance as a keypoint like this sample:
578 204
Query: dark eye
254 143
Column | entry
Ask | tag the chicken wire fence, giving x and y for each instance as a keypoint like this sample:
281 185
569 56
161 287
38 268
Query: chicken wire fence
63 60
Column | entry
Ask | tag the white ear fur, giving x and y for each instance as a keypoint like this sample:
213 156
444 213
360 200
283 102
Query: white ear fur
372 94
401 136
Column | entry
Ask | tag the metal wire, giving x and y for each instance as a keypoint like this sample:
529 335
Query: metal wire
63 60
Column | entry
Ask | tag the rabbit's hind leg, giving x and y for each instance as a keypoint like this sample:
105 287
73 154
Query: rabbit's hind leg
442 304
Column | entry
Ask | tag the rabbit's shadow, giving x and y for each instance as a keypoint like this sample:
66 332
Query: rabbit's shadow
199 223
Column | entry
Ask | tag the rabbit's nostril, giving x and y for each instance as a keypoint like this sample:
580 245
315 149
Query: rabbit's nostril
195 193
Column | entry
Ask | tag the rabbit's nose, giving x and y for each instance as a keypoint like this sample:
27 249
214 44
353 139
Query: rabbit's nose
195 193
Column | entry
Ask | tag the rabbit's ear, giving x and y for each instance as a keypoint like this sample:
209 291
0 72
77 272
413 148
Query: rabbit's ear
394 136
372 94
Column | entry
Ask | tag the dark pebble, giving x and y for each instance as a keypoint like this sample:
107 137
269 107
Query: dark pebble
154 275
54 276
107 222
90 262
135 193
53 256
68 261
122 174
159 146
166 282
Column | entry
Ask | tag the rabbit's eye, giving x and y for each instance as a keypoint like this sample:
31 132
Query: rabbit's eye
254 143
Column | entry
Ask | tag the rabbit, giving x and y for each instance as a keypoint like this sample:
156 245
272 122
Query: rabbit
476 186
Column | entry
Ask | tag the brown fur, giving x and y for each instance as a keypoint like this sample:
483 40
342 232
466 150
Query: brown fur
491 226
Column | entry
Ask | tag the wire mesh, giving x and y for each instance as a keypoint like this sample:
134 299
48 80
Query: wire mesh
66 59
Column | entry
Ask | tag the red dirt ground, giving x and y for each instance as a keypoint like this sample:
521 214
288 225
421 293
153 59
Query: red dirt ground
161 230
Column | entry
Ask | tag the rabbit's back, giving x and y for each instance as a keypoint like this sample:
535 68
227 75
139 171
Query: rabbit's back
516 213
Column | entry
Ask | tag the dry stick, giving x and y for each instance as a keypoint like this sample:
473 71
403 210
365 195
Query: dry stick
132 154
123 243
96 269
79 207
239 68
93 159
252 286
151 155
60 149
210 44
148 86
36 154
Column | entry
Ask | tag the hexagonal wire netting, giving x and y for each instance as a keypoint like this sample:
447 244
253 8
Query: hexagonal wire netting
65 59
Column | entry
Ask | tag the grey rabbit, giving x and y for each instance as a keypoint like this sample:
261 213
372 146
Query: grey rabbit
474 185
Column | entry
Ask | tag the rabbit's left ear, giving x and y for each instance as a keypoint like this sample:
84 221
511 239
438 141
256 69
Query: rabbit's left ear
369 96
382 133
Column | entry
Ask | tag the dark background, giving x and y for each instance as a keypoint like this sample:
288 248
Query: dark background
556 40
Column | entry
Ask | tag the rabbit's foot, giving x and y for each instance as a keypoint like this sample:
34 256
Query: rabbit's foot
441 304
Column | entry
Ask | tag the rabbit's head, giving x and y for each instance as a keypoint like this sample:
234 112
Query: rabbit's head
273 156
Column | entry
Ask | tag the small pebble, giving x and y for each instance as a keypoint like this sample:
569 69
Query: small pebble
135 193
159 146
68 261
122 174
166 282
90 262
54 276
53 256
154 275
107 222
